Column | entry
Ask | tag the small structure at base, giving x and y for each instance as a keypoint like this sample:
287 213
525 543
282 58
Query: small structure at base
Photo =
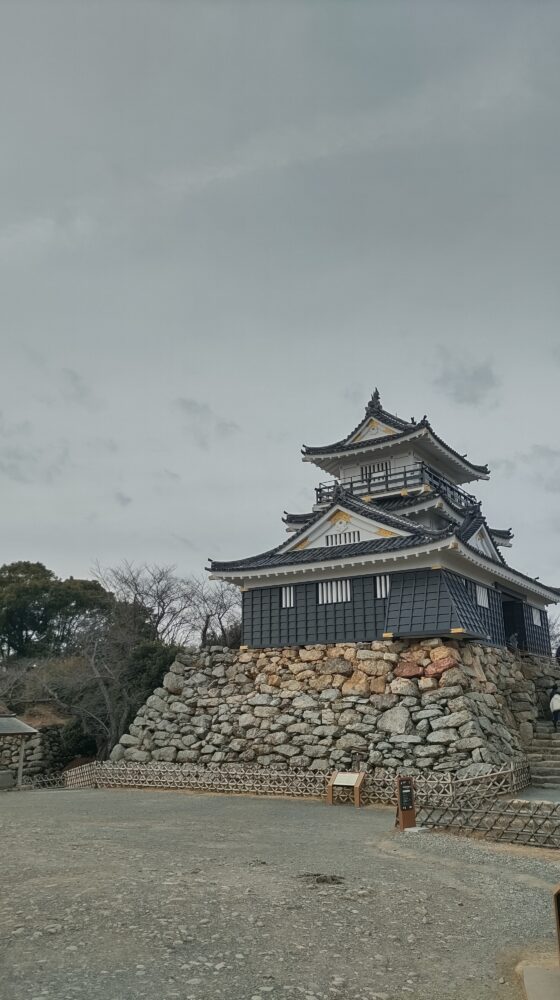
12 727
346 779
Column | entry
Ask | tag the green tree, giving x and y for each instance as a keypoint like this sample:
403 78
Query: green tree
41 615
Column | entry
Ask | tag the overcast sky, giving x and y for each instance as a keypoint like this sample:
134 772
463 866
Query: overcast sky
222 224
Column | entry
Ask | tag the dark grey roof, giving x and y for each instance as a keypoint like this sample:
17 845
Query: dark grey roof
418 535
11 726
474 520
323 554
424 602
341 447
297 518
373 409
506 533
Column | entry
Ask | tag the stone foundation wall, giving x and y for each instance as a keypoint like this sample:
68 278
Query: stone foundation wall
34 761
40 751
462 708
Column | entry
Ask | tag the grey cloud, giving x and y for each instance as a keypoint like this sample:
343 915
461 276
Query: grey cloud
552 483
122 499
463 383
203 422
9 429
354 394
186 542
265 263
104 444
542 460
33 465
75 390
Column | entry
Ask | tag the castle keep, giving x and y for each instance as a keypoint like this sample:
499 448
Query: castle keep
377 628
393 548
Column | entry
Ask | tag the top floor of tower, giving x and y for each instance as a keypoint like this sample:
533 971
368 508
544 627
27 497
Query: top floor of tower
388 456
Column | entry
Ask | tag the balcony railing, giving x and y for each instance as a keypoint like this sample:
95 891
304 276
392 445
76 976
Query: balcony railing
409 477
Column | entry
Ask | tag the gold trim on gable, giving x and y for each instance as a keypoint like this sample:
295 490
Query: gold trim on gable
339 515
301 545
385 533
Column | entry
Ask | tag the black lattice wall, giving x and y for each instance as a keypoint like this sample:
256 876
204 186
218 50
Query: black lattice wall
266 623
492 617
421 603
538 637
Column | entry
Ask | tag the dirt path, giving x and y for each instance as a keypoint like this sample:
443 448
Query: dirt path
125 895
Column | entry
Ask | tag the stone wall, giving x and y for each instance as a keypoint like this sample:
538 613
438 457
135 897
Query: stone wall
34 761
40 751
462 708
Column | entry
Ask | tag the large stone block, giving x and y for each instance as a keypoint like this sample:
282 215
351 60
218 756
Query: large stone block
404 686
335 665
452 677
377 685
443 736
174 683
396 721
408 668
304 701
352 741
427 683
452 721
443 652
440 666
168 754
358 683
313 654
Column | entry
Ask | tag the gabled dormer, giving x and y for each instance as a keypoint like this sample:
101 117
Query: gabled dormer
347 522
383 442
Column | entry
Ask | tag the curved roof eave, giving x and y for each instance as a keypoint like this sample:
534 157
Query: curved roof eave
421 429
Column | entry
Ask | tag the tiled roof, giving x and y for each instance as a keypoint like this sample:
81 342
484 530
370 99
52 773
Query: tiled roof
474 520
506 533
297 518
417 535
324 554
341 447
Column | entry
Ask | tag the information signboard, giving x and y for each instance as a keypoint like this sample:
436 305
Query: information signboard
345 779
406 809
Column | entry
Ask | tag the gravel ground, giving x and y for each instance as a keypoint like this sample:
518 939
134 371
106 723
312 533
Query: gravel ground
119 895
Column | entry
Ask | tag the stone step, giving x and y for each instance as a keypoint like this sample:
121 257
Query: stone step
545 772
545 783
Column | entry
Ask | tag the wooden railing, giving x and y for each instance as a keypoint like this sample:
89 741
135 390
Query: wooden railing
394 481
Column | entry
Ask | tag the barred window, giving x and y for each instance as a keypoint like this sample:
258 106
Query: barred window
287 597
537 618
334 591
343 538
376 469
382 584
482 596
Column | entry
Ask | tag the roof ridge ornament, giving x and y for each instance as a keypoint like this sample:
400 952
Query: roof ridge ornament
374 406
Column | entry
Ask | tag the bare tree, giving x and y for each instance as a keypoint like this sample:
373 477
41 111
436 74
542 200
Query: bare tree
554 628
169 601
218 612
